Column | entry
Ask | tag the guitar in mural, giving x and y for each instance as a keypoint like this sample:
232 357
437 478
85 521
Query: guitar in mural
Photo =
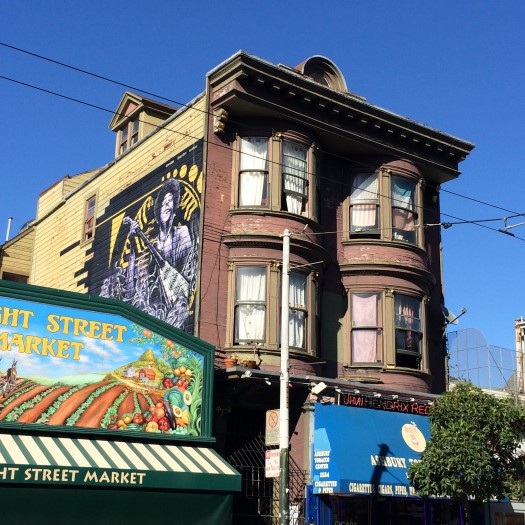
173 283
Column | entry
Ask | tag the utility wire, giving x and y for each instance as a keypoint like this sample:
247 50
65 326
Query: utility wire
461 221
95 106
135 88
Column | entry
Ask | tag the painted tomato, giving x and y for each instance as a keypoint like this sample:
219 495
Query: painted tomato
167 382
164 424
138 419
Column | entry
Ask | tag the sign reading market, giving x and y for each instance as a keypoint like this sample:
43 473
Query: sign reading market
73 360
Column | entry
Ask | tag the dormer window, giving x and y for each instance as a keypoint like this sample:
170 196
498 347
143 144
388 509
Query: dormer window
135 117
129 135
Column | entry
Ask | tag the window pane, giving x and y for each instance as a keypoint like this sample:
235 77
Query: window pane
364 203
297 318
250 310
254 154
89 217
253 177
404 215
365 328
295 176
403 192
408 324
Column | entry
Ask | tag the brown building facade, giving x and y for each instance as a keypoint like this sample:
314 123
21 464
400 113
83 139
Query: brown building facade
186 224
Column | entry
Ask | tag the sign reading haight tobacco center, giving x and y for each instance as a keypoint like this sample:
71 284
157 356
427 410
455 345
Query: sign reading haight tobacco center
86 365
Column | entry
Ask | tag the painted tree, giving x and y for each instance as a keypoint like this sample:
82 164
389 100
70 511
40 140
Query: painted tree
473 451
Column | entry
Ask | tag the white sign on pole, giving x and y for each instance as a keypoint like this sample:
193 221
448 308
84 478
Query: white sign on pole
272 428
271 463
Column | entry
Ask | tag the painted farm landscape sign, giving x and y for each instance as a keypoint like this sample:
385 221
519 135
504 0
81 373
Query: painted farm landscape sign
75 367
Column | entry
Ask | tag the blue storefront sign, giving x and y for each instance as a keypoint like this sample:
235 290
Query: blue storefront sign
364 451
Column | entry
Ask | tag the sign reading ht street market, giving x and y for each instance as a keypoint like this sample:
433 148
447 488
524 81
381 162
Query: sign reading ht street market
73 360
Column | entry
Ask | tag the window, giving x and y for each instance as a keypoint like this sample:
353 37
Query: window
366 340
298 311
129 135
364 204
408 328
253 173
295 177
250 304
404 215
89 218
278 174
384 206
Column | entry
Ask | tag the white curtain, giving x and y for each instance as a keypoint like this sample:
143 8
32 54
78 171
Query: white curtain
297 320
364 341
251 303
253 171
294 175
363 201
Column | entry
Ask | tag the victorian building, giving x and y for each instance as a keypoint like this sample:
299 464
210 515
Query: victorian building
186 223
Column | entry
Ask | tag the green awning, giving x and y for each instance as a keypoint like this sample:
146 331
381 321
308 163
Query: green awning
89 462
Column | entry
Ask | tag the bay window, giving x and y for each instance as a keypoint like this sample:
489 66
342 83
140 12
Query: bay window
409 333
253 172
386 328
298 310
384 205
366 330
250 304
277 173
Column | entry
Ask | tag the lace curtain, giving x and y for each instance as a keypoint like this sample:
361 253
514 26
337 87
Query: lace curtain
294 175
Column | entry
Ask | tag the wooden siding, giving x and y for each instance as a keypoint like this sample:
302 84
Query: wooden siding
17 254
51 197
59 252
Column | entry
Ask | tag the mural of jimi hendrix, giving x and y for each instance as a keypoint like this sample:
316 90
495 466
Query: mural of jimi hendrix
154 251
169 275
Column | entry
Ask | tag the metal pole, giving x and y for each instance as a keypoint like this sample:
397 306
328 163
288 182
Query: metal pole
284 417
9 220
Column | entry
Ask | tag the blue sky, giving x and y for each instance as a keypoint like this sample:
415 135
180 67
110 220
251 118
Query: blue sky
455 66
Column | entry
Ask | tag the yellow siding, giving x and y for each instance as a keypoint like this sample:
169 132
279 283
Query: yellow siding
51 197
16 254
62 230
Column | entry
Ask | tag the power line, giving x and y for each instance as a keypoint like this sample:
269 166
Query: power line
364 165
72 99
135 88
